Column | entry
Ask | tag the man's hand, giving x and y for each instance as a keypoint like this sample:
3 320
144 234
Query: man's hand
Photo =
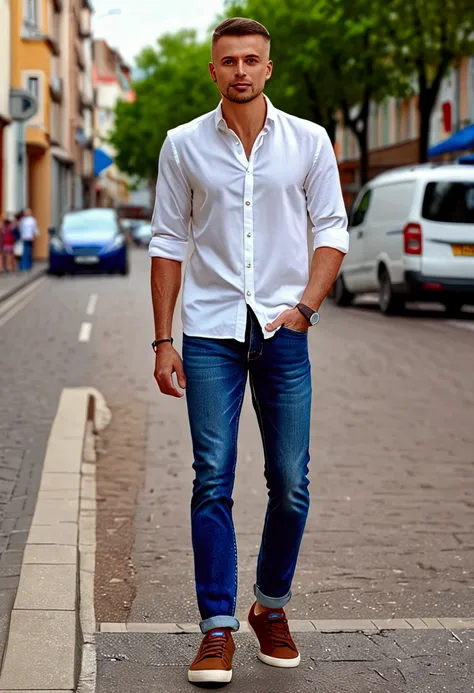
289 318
167 362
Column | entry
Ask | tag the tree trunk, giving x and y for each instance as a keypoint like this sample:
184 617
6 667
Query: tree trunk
425 110
363 140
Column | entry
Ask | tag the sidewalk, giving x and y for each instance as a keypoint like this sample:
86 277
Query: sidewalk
11 283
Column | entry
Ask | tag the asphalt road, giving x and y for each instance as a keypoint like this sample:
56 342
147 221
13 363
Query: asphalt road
391 529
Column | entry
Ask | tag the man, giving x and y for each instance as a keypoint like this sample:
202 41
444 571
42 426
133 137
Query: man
242 181
28 232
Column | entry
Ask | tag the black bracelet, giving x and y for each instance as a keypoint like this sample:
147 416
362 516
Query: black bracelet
160 341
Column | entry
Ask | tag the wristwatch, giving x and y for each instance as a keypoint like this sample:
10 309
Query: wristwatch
311 315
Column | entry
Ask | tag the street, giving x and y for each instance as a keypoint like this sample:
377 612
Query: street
391 527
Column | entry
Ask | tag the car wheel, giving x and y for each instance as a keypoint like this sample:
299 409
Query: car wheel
389 302
453 308
342 296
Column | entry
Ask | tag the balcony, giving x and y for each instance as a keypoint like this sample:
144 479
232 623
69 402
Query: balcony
56 88
85 25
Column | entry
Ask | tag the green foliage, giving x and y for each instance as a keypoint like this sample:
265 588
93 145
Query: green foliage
330 56
176 88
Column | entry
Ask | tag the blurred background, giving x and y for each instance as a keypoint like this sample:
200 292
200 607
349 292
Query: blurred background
389 80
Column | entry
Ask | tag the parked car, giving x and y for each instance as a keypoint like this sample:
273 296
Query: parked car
88 240
143 234
412 239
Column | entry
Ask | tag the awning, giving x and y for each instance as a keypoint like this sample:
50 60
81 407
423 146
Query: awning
468 159
101 161
462 140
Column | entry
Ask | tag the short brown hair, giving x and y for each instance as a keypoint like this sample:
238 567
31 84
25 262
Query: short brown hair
239 26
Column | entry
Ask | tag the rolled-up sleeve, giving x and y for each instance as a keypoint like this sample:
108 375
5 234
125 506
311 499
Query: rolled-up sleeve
324 199
173 204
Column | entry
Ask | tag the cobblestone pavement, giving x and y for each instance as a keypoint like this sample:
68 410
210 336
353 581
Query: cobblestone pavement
391 530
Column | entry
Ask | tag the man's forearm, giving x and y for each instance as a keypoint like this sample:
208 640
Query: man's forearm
165 286
324 269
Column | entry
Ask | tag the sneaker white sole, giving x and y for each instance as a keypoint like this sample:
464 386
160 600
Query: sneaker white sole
210 676
281 663
275 661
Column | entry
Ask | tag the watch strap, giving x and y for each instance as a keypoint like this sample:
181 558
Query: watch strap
306 311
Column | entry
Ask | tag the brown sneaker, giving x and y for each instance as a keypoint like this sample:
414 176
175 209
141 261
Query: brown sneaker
276 644
213 663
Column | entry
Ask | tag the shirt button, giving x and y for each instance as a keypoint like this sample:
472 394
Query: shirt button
247 203
249 235
249 265
249 293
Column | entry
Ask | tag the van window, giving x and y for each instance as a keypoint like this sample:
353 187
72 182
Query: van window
359 212
451 202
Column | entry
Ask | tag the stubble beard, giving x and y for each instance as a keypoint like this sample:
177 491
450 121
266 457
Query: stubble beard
245 97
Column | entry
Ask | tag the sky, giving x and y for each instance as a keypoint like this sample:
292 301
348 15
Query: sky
140 22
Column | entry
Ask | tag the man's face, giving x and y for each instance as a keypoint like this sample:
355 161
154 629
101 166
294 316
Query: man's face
240 66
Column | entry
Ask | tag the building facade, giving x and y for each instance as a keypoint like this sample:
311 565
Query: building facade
394 128
112 80
49 159
4 96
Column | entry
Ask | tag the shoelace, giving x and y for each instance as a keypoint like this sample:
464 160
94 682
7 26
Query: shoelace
213 647
279 633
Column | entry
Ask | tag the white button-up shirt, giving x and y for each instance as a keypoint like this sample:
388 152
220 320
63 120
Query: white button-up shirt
28 228
248 218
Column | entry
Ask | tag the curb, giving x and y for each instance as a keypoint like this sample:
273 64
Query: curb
46 637
28 280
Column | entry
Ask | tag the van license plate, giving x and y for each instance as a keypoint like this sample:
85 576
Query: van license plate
466 250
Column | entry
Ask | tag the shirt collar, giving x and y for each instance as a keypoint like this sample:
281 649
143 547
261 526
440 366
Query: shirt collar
220 122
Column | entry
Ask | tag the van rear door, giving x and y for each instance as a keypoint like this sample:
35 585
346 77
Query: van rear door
448 229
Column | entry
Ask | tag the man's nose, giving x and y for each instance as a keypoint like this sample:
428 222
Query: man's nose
240 68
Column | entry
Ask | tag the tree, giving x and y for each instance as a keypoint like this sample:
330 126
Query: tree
175 89
429 37
330 56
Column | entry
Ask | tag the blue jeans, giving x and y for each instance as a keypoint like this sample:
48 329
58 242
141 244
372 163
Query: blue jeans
26 261
280 380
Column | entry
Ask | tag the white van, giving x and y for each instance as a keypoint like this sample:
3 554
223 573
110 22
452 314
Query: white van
412 239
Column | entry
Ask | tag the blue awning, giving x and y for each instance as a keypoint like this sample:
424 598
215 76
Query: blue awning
101 161
462 140
468 159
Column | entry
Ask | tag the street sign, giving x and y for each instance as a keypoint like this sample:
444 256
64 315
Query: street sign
23 105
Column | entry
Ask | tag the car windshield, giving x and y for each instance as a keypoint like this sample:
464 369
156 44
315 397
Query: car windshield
450 202
90 221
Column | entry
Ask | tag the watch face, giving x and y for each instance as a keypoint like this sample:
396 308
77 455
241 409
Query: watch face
314 319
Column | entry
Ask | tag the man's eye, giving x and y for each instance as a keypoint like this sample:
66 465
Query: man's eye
251 60
227 62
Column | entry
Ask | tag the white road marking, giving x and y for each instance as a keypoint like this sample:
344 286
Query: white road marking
463 325
92 304
85 332
12 306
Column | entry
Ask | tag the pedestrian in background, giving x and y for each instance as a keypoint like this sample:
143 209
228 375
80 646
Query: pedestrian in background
10 234
28 232
243 180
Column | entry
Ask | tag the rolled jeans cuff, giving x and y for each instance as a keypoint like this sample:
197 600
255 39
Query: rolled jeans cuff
219 622
271 602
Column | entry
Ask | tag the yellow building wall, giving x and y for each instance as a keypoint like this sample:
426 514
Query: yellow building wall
35 56
39 183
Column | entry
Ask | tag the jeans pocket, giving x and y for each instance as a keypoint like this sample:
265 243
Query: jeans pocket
301 333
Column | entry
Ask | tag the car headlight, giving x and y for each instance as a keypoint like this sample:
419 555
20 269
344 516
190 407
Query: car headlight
57 244
115 244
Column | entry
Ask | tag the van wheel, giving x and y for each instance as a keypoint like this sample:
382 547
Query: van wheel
453 308
389 302
342 296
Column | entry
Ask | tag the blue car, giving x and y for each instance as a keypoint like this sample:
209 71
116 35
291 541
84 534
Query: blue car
90 240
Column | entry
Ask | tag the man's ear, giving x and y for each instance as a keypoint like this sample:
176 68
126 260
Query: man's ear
212 72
